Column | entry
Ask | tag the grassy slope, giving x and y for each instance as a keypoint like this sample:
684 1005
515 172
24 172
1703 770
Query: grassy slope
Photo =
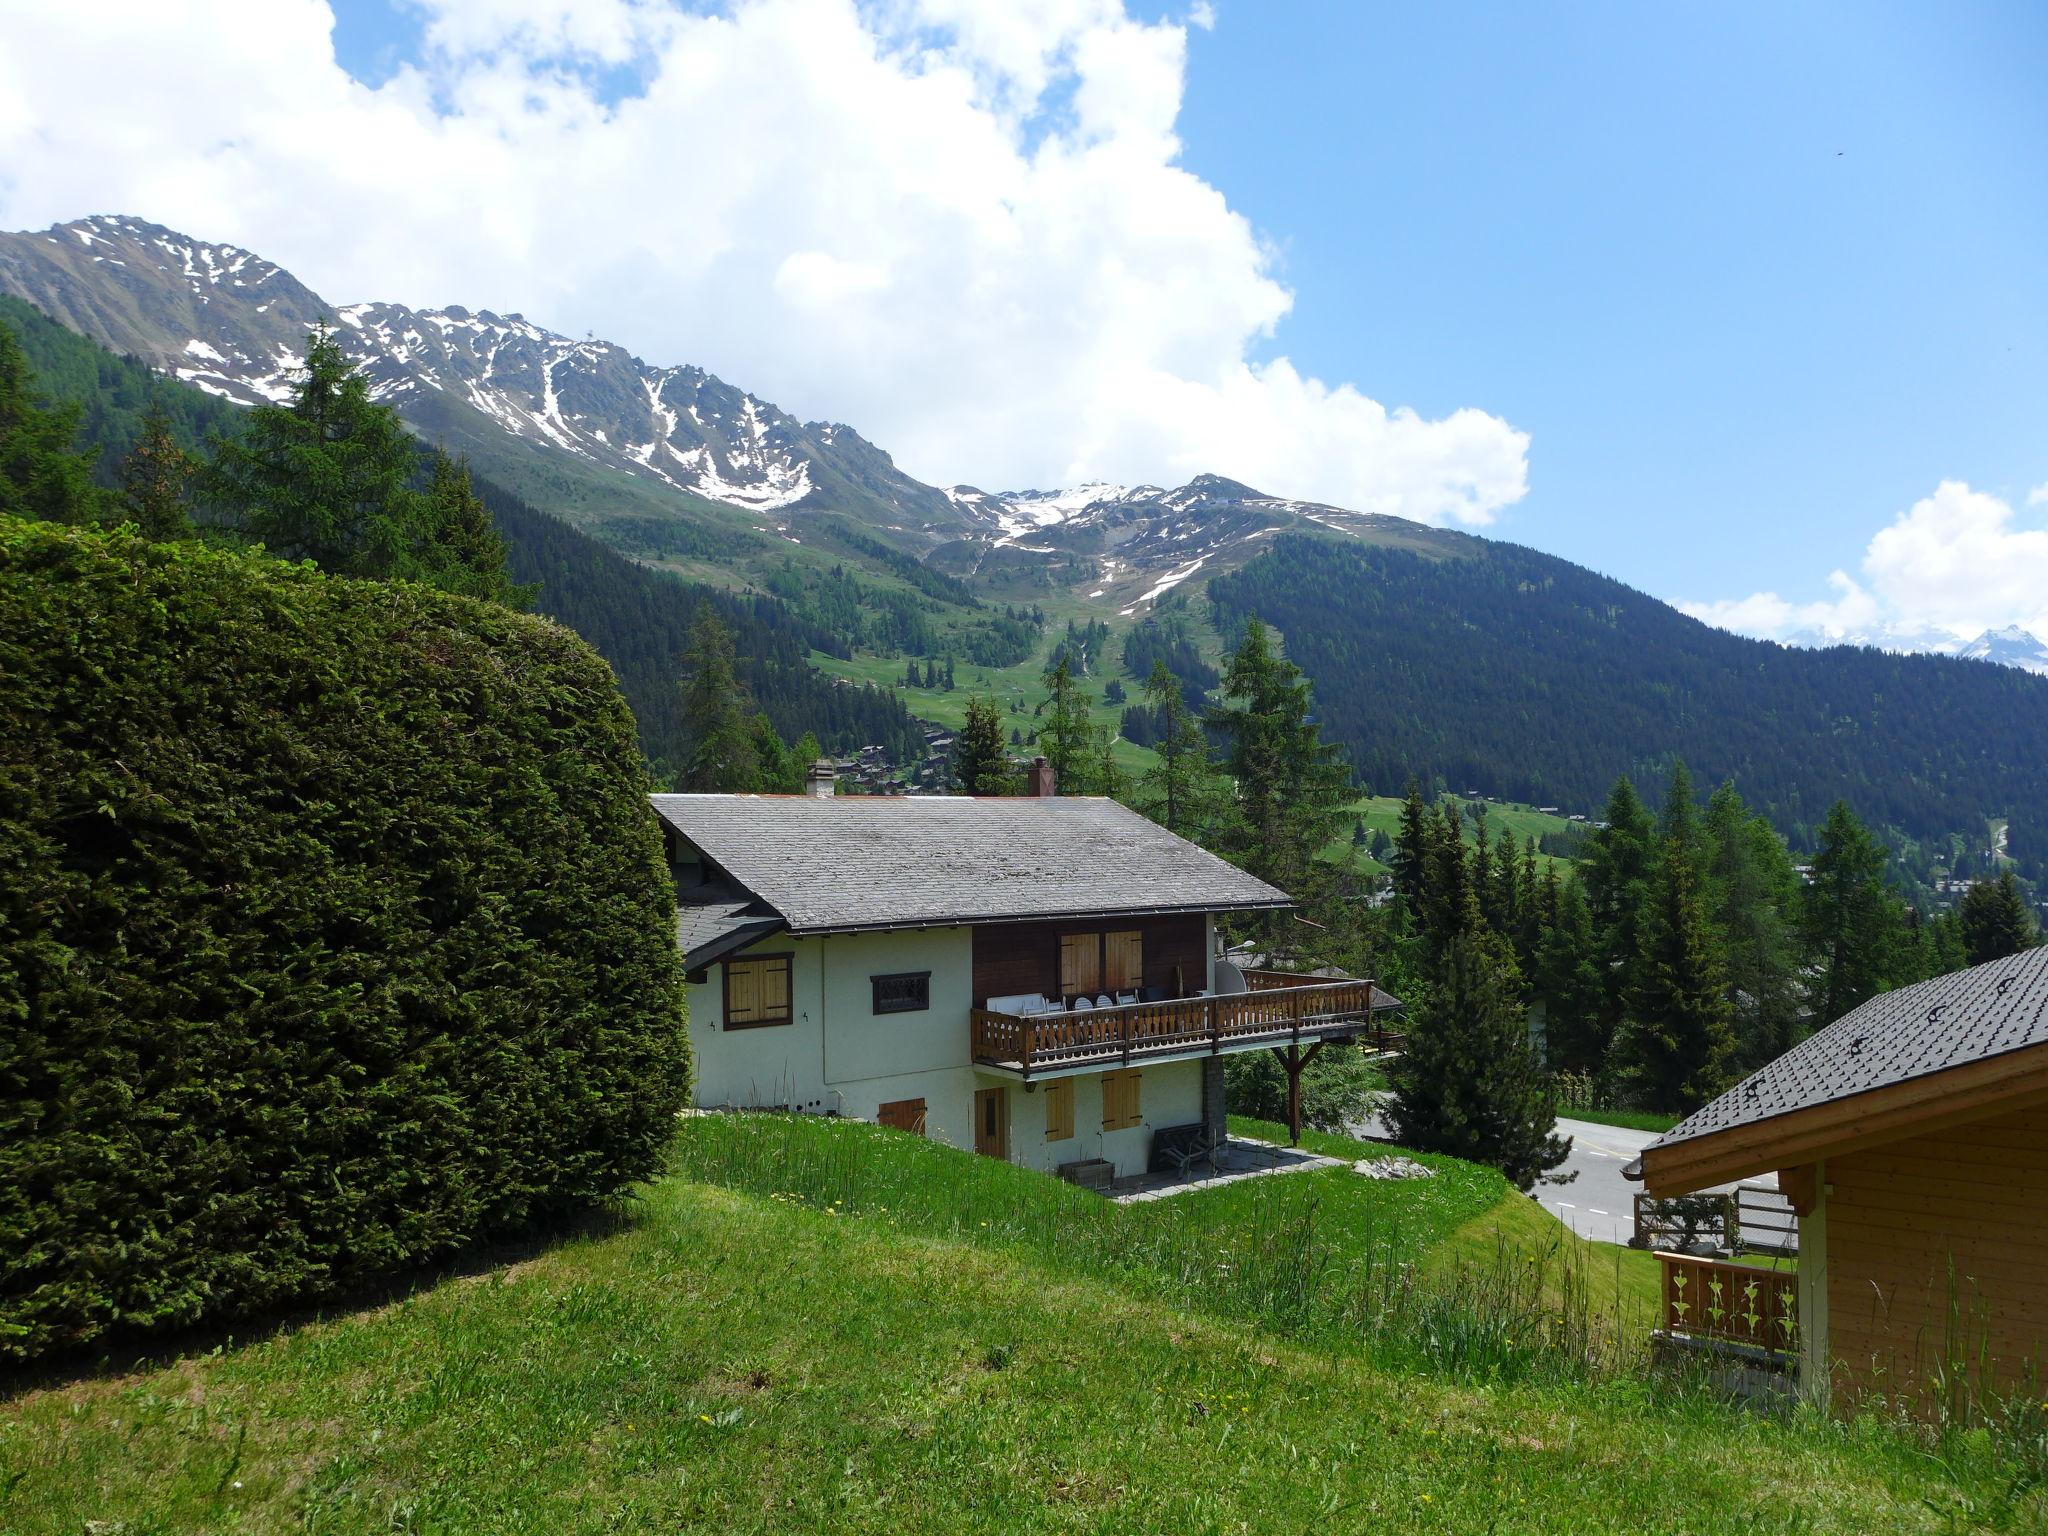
736 1362
1382 813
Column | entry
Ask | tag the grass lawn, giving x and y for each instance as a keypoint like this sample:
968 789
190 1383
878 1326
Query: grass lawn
1382 813
737 1360
1628 1119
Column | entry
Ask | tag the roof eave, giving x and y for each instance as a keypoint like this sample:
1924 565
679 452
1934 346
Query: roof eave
1079 915
1932 1101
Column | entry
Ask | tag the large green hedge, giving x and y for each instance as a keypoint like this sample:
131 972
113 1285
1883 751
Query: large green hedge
334 933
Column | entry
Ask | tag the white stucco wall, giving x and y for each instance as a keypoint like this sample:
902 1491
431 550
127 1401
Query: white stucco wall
838 1056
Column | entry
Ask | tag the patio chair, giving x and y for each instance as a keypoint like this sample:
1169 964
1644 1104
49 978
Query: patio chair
1180 1149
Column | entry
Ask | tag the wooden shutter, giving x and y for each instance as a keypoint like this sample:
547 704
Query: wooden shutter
1120 1100
1080 963
903 1115
1123 961
757 991
1059 1110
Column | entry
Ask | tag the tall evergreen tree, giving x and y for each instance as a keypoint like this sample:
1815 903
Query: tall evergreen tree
1616 871
327 476
1290 785
1412 848
1570 980
1845 919
1752 894
1468 1084
1066 734
41 476
723 757
980 765
1994 920
461 549
1674 1045
156 476
1179 791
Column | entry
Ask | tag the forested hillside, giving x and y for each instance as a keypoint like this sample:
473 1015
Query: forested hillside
638 619
1522 675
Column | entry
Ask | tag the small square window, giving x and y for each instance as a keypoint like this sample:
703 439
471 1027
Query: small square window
906 992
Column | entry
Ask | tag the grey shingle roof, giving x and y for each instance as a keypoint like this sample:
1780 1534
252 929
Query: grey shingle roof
847 862
1917 1031
706 930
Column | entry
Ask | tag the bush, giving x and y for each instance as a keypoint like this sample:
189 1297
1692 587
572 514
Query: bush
1337 1088
334 934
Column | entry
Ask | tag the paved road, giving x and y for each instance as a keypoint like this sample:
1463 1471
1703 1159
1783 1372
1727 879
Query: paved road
1599 1203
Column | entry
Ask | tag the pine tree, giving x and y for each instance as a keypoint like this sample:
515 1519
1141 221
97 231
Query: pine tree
723 758
980 765
1845 920
326 477
1066 734
1674 1045
1994 920
155 476
1570 980
1752 891
1290 785
1412 851
1469 1084
463 552
1615 870
1448 908
40 476
1179 791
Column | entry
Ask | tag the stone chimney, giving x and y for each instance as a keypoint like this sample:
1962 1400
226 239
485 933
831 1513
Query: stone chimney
1041 779
822 779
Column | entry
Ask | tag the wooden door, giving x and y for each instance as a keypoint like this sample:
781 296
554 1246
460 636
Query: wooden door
903 1115
992 1122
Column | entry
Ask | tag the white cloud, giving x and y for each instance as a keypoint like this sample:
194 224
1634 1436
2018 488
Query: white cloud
1949 567
2038 496
960 226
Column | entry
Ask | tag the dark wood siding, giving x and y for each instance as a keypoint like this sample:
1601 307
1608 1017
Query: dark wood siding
1025 957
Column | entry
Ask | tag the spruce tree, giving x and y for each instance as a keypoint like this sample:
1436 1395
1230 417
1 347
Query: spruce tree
1412 848
1674 1045
327 476
1570 979
1845 921
1179 791
41 477
155 478
1994 921
980 765
462 551
1752 892
1616 869
1291 786
1066 735
1468 1084
723 758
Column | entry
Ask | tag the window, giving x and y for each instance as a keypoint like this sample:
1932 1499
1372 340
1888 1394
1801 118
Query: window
1080 963
907 992
902 1115
1059 1110
1123 961
757 991
1120 1100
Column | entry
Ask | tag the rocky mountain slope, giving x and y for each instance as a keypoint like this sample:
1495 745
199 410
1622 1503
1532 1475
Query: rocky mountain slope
2011 646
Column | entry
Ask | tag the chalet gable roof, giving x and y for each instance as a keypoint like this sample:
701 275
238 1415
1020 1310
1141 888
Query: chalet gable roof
1969 1030
847 863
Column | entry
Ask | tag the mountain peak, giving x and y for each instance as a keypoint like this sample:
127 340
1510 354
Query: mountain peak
2009 646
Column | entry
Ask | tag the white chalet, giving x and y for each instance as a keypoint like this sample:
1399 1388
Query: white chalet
1034 977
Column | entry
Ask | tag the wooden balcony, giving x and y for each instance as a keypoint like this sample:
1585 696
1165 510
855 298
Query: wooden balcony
1270 1015
1714 1302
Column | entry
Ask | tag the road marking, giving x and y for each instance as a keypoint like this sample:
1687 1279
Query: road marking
1597 1211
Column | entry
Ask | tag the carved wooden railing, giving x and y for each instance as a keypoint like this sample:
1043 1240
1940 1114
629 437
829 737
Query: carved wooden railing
1271 1015
1737 1303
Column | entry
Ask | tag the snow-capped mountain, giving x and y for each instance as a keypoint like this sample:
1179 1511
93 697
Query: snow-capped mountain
2011 646
228 321
632 450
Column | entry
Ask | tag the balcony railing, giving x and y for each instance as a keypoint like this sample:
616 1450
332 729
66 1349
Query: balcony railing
1269 1015
1714 1300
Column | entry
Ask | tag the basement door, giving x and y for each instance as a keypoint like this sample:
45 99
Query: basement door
992 1122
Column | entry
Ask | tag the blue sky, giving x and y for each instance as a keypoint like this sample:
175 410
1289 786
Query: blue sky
1753 281
1744 305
